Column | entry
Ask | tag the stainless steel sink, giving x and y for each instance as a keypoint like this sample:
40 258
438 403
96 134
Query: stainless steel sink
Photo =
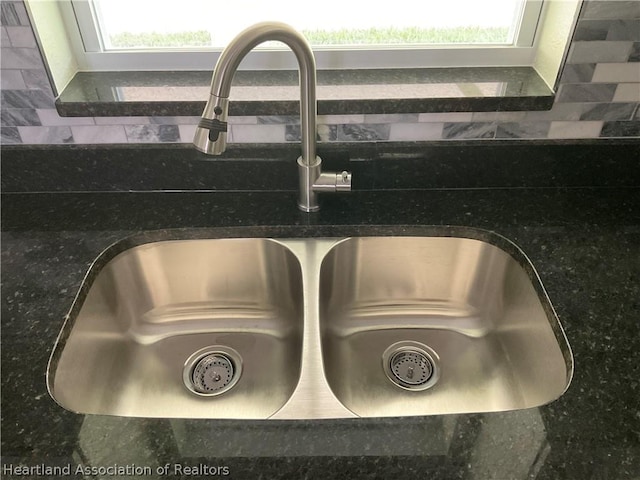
311 328
152 307
469 331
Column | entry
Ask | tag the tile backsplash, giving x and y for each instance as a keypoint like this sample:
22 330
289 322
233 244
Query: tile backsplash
598 96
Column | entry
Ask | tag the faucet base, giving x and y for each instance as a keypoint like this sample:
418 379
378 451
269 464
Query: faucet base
307 176
313 181
306 209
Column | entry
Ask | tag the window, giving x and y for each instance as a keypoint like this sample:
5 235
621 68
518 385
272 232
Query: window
147 34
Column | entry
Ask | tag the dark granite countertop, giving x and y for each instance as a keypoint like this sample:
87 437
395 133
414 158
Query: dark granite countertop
584 241
339 92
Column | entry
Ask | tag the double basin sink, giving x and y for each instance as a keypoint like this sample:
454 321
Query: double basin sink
310 328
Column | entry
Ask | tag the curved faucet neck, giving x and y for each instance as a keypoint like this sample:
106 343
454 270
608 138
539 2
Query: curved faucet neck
274 31
211 133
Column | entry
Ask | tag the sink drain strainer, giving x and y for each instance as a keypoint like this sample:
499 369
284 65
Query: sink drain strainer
212 370
411 365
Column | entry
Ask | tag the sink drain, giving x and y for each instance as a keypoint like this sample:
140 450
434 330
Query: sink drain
212 371
411 365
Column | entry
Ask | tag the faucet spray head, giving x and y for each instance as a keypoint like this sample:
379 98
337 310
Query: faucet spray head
211 133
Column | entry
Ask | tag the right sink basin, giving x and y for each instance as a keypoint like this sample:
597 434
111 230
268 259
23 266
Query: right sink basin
436 325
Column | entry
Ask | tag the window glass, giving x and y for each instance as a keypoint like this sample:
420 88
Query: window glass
200 24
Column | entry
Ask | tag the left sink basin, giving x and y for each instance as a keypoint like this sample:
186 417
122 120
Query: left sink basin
190 328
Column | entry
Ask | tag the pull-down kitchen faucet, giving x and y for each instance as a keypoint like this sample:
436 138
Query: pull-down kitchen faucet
211 133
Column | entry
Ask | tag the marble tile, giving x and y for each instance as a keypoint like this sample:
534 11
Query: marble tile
278 119
445 117
173 120
21 58
21 37
46 135
292 133
50 117
621 129
12 80
577 73
22 13
599 52
325 133
608 9
616 73
121 120
627 92
412 132
37 80
14 117
624 30
592 30
559 111
99 134
237 120
575 129
4 37
187 132
340 119
25 99
258 133
13 13
391 118
9 135
608 111
610 30
469 130
152 133
602 92
634 56
523 130
363 132
498 116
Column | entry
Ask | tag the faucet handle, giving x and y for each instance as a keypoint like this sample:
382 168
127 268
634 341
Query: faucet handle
343 183
333 182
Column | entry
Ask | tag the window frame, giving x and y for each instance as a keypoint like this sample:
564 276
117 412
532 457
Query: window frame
83 32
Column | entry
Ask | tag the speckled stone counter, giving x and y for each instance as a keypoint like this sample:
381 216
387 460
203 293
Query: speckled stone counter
339 92
583 241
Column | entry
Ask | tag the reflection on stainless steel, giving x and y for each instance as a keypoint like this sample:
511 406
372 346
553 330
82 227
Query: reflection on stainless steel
309 321
211 133
152 307
520 454
510 445
469 301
